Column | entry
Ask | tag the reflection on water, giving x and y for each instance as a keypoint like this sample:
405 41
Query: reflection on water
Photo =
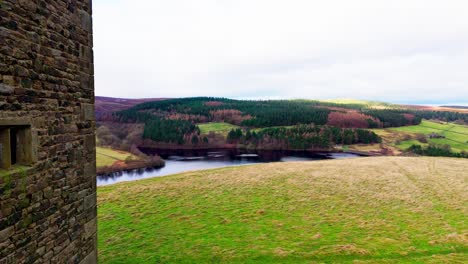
178 161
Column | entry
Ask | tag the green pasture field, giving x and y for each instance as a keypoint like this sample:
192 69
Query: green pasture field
221 127
107 156
455 135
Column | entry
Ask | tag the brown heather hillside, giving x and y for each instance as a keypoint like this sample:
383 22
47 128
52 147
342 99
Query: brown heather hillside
105 105
363 210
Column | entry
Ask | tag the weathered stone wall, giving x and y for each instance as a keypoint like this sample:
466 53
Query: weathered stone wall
48 209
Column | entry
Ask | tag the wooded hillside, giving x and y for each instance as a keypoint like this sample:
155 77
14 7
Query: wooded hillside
176 120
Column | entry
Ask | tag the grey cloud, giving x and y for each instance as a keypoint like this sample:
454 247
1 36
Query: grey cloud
401 51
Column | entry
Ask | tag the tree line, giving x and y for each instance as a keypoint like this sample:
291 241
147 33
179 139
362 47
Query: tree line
437 151
443 115
170 131
394 117
302 137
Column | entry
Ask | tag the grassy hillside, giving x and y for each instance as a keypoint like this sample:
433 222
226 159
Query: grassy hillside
365 103
455 135
365 210
107 156
217 127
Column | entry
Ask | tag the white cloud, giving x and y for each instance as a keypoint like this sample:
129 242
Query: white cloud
400 50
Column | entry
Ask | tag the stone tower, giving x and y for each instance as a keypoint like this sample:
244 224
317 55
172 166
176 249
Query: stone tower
47 141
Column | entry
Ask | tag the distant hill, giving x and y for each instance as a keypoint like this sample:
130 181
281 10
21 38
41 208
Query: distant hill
106 105
384 105
445 108
364 103
455 106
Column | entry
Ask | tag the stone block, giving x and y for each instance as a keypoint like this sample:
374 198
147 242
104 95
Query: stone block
90 201
90 259
90 228
6 233
90 143
87 112
6 89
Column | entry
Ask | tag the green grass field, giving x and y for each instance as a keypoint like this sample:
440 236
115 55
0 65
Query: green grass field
107 156
364 210
455 135
262 128
371 104
222 128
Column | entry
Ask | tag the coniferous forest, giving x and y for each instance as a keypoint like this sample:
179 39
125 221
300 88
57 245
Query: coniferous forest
288 124
302 137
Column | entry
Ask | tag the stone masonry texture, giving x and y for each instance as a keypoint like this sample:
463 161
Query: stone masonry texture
48 208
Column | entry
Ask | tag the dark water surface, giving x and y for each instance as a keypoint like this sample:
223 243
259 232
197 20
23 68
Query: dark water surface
178 161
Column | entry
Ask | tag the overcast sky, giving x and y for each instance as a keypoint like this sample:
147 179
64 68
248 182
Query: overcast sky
399 51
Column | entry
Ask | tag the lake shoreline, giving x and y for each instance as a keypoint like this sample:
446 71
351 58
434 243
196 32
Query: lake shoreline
150 149
136 166
121 167
181 160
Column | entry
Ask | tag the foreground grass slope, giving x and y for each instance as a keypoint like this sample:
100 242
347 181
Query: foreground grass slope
366 210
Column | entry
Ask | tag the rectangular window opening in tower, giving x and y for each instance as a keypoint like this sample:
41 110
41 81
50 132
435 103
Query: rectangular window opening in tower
16 145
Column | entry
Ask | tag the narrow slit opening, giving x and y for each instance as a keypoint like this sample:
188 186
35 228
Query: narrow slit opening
13 146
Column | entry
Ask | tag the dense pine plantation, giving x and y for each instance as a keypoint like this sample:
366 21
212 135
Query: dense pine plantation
264 113
443 115
394 118
296 124
172 131
302 137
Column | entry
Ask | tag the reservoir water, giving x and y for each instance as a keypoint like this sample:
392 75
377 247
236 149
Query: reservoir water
178 161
